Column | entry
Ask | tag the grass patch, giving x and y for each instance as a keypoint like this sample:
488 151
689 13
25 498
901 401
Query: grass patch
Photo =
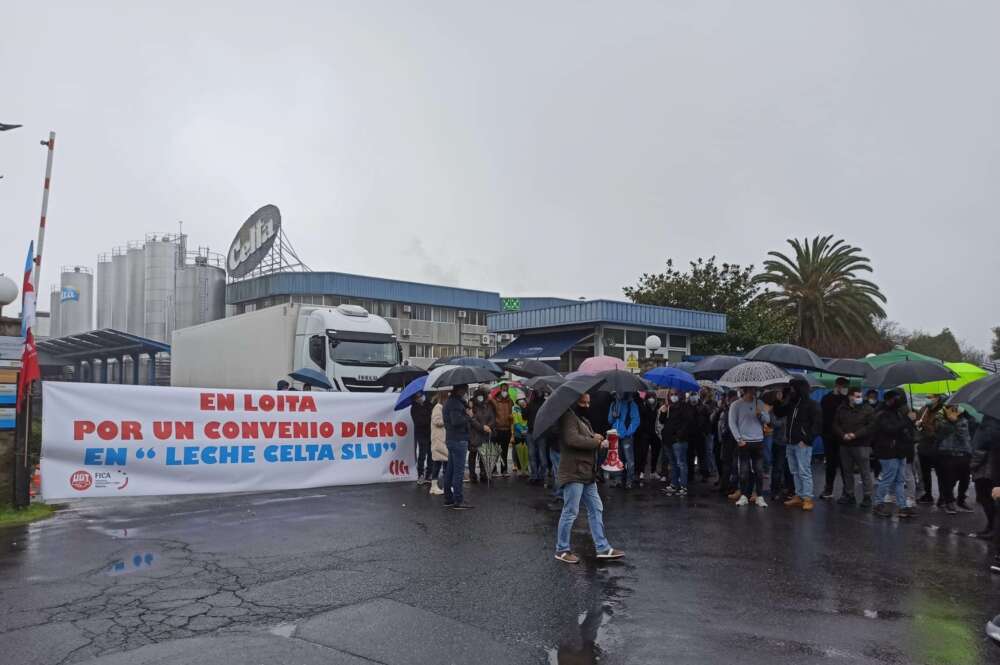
9 516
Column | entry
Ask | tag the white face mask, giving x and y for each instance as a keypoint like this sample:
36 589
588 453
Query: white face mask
694 399
674 399
873 401
857 401
480 399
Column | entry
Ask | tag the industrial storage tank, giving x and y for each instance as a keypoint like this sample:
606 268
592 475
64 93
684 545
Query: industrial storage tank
133 287
54 320
76 300
119 295
104 290
160 255
201 294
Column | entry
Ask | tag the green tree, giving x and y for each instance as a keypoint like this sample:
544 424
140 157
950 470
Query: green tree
820 289
943 346
726 288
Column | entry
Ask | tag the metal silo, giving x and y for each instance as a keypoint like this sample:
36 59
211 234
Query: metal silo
161 265
201 293
133 288
76 300
54 320
104 291
119 294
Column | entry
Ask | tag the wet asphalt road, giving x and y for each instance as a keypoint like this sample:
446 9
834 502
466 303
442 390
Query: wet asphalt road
383 574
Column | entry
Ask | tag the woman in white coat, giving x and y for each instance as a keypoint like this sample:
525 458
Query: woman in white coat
439 450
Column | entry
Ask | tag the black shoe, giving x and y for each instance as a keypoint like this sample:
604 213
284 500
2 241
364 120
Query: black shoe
907 512
462 506
845 500
628 486
474 479
866 502
963 507
926 498
827 494
882 510
450 504
950 509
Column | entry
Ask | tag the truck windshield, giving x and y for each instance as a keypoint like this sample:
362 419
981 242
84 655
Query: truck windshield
373 354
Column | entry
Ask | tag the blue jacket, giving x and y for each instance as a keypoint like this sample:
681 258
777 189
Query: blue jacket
624 417
456 420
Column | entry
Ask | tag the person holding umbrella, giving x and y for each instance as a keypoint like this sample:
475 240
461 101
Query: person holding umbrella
677 417
578 478
439 448
850 424
484 420
892 436
420 413
457 422
747 419
830 405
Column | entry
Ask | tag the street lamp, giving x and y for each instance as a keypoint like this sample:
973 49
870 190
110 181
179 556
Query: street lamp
653 345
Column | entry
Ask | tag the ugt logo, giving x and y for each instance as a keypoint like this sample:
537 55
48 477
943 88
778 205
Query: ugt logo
399 468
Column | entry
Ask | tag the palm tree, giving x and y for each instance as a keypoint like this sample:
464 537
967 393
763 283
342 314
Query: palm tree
821 291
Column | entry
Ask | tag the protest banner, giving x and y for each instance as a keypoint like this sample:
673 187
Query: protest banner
121 440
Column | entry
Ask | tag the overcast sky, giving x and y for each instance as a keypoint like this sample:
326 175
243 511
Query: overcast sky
531 148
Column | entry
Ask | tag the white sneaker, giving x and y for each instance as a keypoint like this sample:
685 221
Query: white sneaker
436 490
744 501
761 503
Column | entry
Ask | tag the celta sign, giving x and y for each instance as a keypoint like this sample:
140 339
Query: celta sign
253 241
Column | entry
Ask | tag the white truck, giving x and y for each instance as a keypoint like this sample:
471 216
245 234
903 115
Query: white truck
255 350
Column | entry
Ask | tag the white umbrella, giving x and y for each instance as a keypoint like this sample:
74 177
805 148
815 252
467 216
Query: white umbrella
754 374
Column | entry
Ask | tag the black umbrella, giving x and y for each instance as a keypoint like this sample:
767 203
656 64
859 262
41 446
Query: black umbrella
461 376
545 383
908 371
469 361
401 375
788 356
813 382
560 401
713 367
848 367
5 127
622 382
529 368
982 395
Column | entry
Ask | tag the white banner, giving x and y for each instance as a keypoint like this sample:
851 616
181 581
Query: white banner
114 440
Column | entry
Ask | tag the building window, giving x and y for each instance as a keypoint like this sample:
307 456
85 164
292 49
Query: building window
421 313
678 341
419 351
388 310
444 315
635 338
475 318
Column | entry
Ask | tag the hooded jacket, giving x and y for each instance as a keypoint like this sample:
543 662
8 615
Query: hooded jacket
420 412
679 423
483 415
953 437
578 459
891 434
439 449
647 420
624 417
804 421
456 420
855 420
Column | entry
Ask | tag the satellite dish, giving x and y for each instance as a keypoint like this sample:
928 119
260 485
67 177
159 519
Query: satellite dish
8 290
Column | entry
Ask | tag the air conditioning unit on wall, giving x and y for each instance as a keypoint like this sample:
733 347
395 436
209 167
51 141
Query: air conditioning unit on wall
461 314
486 340
407 309
405 332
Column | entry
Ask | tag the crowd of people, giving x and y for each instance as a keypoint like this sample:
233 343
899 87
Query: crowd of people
753 446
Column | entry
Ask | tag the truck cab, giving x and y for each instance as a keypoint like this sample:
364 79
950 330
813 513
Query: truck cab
350 346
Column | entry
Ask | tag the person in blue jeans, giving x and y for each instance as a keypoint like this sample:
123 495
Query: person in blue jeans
803 423
578 477
892 434
678 419
624 418
457 418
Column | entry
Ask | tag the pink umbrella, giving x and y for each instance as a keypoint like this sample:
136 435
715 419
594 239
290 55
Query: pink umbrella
599 364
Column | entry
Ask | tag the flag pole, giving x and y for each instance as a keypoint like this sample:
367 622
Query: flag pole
51 144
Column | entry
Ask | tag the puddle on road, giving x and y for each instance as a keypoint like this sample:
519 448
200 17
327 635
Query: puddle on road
135 562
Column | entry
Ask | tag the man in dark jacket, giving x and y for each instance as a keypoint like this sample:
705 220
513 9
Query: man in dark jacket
647 443
537 445
678 419
803 425
830 405
987 440
484 425
457 418
891 433
578 477
420 413
850 426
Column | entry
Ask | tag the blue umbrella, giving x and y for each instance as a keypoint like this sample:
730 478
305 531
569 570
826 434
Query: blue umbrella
409 392
313 377
671 377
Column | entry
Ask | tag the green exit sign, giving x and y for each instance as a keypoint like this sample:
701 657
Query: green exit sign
511 304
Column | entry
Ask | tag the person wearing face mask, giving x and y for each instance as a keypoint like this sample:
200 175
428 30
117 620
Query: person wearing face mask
578 477
891 433
804 422
484 420
850 427
954 455
747 419
647 443
678 419
707 406
457 418
420 413
927 443
829 406
624 418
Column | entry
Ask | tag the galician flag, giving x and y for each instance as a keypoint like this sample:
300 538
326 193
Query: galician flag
30 370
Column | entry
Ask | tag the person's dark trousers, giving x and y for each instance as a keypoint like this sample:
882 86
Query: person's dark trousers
502 436
696 449
436 472
951 470
641 453
831 451
455 471
424 458
537 454
779 469
751 457
963 482
475 457
728 469
927 464
984 487
655 446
